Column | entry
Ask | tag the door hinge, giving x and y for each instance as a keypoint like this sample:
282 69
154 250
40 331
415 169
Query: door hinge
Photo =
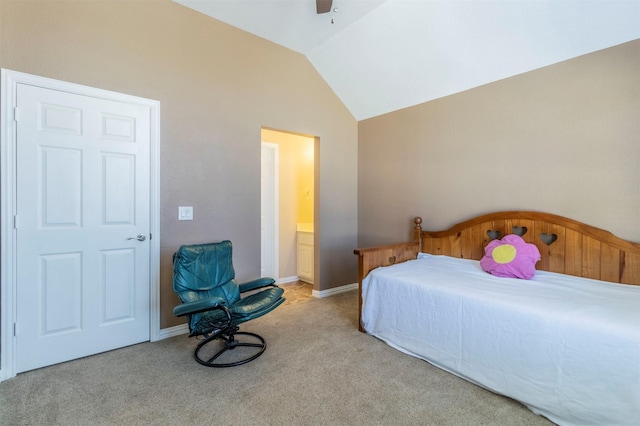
15 221
15 329
16 113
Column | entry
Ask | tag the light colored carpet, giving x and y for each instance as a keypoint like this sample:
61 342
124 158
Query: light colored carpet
317 370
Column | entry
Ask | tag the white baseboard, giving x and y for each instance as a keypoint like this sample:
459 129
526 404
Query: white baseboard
286 280
334 291
177 330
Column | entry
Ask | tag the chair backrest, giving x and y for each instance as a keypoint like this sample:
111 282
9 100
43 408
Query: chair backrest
205 270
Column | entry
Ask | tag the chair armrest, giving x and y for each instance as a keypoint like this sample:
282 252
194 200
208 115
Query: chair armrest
190 308
258 283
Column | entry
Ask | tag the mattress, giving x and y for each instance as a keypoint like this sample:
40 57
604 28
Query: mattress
568 348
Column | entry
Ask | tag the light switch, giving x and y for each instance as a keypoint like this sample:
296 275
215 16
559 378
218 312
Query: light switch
185 213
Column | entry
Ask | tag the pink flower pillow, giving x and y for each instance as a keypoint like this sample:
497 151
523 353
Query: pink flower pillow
510 257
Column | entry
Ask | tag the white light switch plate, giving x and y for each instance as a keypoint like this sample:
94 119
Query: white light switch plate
185 213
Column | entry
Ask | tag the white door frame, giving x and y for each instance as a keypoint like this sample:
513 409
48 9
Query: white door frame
274 211
8 192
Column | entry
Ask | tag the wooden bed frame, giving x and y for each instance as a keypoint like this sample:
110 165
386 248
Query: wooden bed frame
566 246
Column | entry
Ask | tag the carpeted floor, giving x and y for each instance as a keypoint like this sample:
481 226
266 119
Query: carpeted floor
317 370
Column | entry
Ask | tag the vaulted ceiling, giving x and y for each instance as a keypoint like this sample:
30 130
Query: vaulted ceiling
383 55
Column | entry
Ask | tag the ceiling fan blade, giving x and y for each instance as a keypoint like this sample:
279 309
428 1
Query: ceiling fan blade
323 6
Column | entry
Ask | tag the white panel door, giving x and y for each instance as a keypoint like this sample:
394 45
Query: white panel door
269 210
82 199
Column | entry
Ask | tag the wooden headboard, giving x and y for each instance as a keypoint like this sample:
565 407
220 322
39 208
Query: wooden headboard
566 246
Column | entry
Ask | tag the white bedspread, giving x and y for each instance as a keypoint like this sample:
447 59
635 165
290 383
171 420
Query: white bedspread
568 348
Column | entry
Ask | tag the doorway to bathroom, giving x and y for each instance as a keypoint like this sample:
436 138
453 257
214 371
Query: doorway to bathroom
287 206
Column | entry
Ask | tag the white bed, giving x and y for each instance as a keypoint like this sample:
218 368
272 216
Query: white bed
565 343
566 347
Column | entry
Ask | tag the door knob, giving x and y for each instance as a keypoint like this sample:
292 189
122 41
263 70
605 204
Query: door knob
140 237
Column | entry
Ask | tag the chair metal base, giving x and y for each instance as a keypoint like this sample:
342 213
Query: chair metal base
230 344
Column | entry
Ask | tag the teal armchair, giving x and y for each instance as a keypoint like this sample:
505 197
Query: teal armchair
204 279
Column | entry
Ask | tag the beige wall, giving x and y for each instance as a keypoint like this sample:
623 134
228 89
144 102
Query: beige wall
564 139
218 86
296 193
